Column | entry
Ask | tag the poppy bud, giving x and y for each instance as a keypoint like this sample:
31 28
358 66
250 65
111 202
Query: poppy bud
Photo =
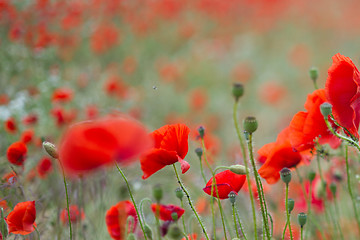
179 193
314 73
131 236
175 232
174 216
333 188
199 152
285 175
232 197
311 176
326 109
302 219
250 124
148 231
3 225
237 91
291 204
50 149
201 131
238 169
157 193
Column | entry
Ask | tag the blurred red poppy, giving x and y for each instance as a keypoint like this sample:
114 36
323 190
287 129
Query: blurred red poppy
62 95
75 215
89 145
27 136
278 155
306 127
116 218
16 153
30 119
226 182
166 211
171 146
343 92
44 167
21 220
10 125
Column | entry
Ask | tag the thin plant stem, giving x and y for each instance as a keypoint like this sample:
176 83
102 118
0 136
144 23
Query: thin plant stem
272 225
132 198
301 232
259 188
67 198
349 186
287 209
190 203
336 207
240 225
284 231
183 219
213 185
242 145
235 224
37 232
158 221
202 170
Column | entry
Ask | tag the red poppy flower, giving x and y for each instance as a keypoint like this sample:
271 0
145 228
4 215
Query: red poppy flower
75 215
44 167
116 218
62 95
30 119
343 92
226 182
10 125
165 211
92 144
27 136
278 155
306 127
171 146
16 153
21 220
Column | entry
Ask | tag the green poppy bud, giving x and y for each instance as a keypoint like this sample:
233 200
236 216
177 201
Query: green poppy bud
199 152
250 124
238 91
291 204
302 219
50 149
285 175
326 109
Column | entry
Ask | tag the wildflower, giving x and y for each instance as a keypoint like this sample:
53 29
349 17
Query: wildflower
171 146
21 220
16 153
44 167
226 182
75 215
62 95
10 125
166 211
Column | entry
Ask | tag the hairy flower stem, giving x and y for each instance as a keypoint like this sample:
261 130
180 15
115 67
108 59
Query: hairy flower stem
132 199
259 189
350 188
37 232
190 203
235 224
67 198
240 225
242 145
213 184
288 223
302 234
183 219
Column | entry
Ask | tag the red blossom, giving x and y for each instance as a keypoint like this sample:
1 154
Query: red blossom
226 182
171 146
22 219
75 215
10 125
44 167
62 95
165 211
116 218
16 153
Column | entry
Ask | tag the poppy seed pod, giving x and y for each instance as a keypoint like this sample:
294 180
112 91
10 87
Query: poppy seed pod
179 193
199 152
326 109
50 149
174 216
314 73
232 197
291 204
201 131
302 219
250 124
238 91
285 175
311 176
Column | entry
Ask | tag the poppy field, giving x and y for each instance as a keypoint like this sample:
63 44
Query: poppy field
184 120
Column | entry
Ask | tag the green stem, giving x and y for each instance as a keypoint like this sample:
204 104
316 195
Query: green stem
202 170
302 229
259 189
67 198
37 232
284 231
350 188
158 221
235 224
238 132
183 219
240 225
287 209
132 198
190 202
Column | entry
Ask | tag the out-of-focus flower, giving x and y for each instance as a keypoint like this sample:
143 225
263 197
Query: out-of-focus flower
10 125
75 215
165 211
30 119
62 95
198 99
104 37
272 93
16 153
44 167
27 136
116 218
21 220
226 182
114 86
343 93
89 145
171 146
